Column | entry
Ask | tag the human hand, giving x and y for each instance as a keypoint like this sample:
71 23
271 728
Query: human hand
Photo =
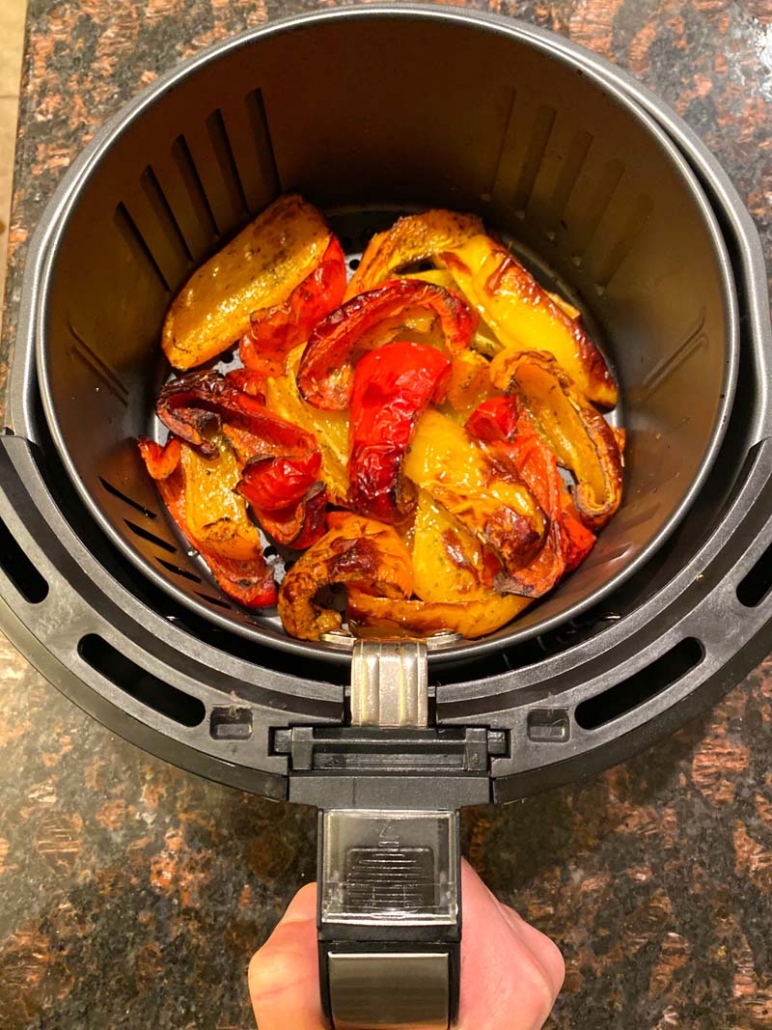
510 972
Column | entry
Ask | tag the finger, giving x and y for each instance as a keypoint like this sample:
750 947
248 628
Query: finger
284 975
503 986
543 948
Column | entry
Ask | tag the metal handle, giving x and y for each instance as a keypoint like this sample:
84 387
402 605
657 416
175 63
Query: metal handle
389 880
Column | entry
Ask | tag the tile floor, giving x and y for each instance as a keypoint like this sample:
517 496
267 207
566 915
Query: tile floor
11 40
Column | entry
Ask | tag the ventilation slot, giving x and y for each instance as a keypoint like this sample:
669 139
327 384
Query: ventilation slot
163 212
138 244
545 119
262 135
127 500
218 134
634 226
143 686
186 166
19 569
757 583
593 212
641 687
569 173
97 366
145 534
178 571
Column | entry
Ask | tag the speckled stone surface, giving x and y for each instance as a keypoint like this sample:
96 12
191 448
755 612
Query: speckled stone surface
132 894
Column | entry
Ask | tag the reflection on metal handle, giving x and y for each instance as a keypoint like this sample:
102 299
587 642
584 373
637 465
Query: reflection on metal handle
389 684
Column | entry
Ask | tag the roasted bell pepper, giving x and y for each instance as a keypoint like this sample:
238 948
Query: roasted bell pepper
275 331
392 387
469 383
257 270
451 576
409 241
370 616
198 493
246 381
523 316
485 495
354 550
370 320
581 439
329 428
279 462
508 427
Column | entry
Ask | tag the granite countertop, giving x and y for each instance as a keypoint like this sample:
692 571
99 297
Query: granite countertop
133 894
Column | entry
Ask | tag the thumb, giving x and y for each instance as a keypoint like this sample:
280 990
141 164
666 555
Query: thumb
284 975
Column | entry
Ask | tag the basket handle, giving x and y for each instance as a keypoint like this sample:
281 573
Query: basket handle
389 910
389 919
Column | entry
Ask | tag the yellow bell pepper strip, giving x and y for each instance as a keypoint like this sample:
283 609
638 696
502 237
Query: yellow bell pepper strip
469 383
329 428
370 616
257 270
275 331
354 550
410 240
392 386
198 494
278 462
506 425
371 320
579 436
450 572
523 316
486 496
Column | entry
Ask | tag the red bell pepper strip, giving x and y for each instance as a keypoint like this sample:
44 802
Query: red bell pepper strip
275 331
288 499
279 461
508 427
249 582
246 381
325 375
392 386
298 525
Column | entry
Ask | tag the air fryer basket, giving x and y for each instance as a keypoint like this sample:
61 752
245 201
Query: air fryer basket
609 196
566 167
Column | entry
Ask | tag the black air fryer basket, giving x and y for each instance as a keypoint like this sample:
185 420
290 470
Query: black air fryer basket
607 196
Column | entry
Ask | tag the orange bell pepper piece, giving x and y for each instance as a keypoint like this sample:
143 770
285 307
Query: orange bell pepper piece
198 494
410 240
581 439
354 550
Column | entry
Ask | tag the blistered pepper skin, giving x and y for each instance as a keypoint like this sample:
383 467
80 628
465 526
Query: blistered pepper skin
392 387
326 372
354 550
524 317
246 579
410 240
258 269
577 433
